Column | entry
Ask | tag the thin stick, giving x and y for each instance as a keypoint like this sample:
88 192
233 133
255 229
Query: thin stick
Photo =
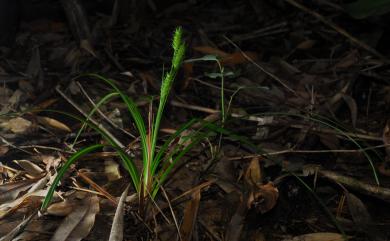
275 153
101 113
78 108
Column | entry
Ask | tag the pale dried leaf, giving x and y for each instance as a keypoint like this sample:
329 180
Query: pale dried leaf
17 125
116 233
53 123
61 209
31 168
111 169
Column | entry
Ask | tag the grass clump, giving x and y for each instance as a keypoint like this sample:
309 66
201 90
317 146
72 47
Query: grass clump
156 163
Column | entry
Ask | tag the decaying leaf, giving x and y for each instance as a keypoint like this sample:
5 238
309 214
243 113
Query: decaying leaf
79 223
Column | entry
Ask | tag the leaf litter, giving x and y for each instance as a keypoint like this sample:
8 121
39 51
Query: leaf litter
304 150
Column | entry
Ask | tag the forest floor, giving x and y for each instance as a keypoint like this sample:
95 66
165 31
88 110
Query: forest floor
300 96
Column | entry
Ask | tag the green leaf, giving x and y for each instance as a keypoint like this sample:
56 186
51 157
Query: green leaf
64 168
204 58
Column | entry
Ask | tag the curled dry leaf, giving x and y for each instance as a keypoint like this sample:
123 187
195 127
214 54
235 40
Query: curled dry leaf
78 223
253 173
264 198
53 123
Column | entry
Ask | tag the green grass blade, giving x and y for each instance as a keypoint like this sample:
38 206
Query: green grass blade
324 207
127 161
165 172
101 102
166 144
132 107
64 168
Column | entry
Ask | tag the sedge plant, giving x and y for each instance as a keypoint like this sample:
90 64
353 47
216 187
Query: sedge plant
157 163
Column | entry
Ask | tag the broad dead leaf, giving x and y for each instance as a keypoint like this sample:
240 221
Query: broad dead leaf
79 223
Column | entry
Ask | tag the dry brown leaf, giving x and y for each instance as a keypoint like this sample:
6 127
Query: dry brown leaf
361 217
53 123
210 50
61 209
11 235
79 223
10 191
352 108
31 168
238 58
17 125
116 233
253 173
351 59
30 200
190 215
318 237
264 198
3 150
306 44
